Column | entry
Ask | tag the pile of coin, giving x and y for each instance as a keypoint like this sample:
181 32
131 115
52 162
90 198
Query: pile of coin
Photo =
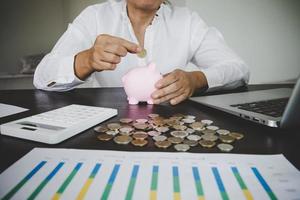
183 132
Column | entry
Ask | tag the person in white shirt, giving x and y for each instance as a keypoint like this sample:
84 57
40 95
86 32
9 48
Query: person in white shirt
100 46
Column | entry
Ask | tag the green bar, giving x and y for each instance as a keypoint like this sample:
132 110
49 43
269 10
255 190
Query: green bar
176 184
69 179
106 192
224 196
130 189
154 178
239 179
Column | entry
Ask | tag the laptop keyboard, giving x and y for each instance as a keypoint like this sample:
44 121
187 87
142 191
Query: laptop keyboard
273 108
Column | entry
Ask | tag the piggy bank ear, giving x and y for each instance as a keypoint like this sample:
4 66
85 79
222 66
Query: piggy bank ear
152 66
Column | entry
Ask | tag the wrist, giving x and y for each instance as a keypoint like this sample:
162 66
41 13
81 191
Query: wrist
82 66
198 79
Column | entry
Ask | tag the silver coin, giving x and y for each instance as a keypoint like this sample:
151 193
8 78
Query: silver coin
140 126
180 134
153 133
207 122
223 132
190 130
191 143
190 117
162 129
208 132
113 133
213 128
160 138
182 147
175 140
153 115
114 126
188 120
101 129
211 138
125 120
225 147
194 137
198 126
141 121
126 129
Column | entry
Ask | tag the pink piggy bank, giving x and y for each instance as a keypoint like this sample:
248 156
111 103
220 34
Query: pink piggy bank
139 84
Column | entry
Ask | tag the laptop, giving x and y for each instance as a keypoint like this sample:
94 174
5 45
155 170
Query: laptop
273 107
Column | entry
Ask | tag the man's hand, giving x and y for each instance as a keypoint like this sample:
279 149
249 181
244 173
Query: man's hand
177 86
104 55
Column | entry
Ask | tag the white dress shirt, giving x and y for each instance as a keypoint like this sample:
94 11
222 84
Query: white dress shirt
175 37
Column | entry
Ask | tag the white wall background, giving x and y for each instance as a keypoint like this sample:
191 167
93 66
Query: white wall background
265 33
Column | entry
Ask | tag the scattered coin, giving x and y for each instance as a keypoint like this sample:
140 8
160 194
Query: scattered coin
105 137
194 137
223 132
236 135
159 138
139 143
226 138
182 147
163 144
175 140
207 122
179 134
191 143
225 147
141 121
140 126
208 132
154 133
153 115
140 135
113 133
190 130
180 127
188 120
126 129
123 139
114 126
126 120
213 128
101 129
207 144
162 129
211 138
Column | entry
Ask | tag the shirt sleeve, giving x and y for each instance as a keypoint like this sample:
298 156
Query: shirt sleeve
56 70
221 66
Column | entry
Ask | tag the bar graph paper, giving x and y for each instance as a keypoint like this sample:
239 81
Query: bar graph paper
89 174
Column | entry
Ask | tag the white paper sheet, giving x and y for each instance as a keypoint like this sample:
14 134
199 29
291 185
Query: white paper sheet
93 174
6 110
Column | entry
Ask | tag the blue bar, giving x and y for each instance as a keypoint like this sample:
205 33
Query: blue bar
95 170
218 179
78 166
35 170
135 171
196 174
155 169
263 182
175 171
57 168
113 174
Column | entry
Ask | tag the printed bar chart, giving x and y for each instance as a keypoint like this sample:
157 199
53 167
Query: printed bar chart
84 174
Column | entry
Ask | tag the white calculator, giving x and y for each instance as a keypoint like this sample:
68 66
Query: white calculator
57 125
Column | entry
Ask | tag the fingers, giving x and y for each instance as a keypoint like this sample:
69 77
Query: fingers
167 80
178 99
167 90
116 49
168 97
110 58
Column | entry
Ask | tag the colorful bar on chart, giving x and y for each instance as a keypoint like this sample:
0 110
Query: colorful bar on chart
264 183
132 182
242 184
68 180
154 183
88 182
110 182
198 183
45 181
14 190
176 184
220 184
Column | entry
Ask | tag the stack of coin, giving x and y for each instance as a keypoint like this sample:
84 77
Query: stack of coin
182 132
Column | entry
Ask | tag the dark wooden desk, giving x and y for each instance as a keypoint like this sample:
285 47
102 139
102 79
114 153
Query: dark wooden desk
258 139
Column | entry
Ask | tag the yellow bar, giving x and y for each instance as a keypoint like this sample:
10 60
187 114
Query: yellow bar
56 196
201 198
153 195
177 196
84 189
248 195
